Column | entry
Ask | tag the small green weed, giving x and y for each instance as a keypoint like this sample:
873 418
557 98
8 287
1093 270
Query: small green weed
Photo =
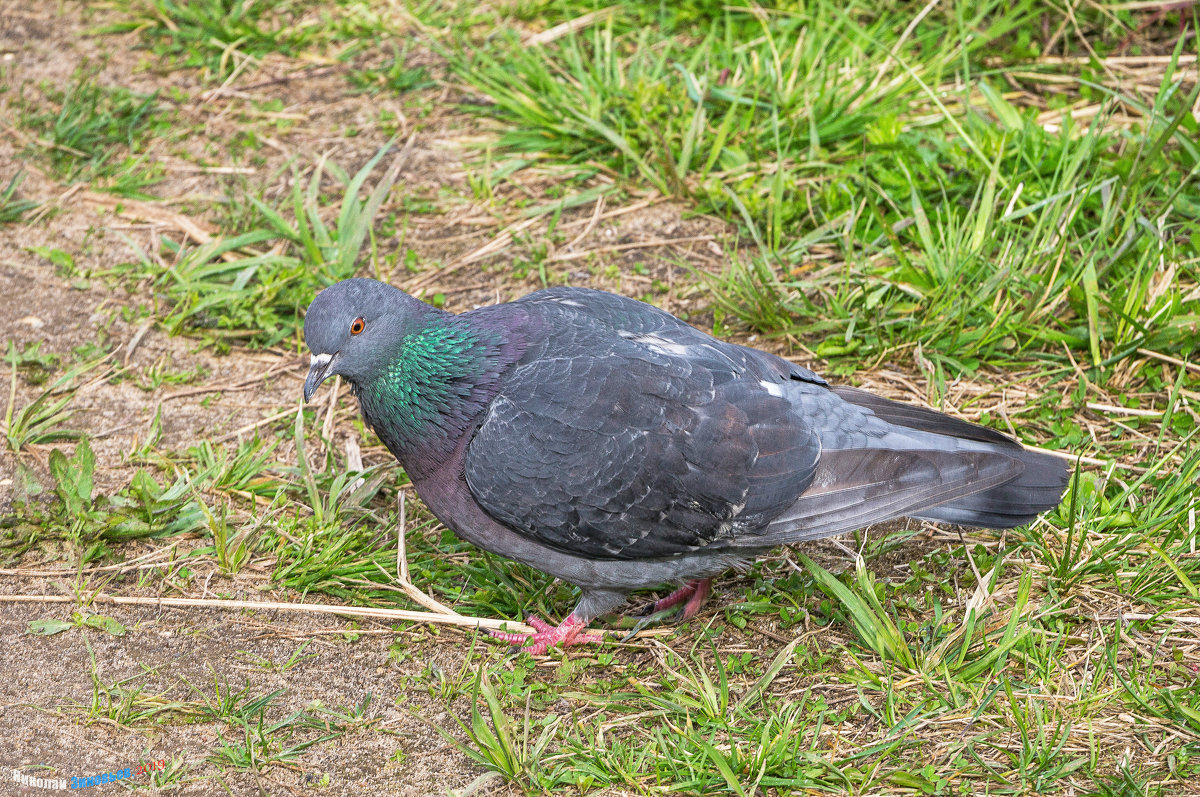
496 743
220 37
223 38
254 743
297 656
228 291
40 421
34 365
96 133
13 209
127 704
336 249
393 75
50 627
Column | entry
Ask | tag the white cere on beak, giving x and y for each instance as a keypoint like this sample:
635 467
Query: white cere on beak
320 360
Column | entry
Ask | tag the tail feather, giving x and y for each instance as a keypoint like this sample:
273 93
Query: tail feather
923 419
1015 503
859 487
1038 488
931 466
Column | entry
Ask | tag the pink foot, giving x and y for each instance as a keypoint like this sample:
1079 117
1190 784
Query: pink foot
695 593
569 632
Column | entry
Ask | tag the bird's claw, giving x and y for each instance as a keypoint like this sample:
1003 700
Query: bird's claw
692 595
685 601
569 632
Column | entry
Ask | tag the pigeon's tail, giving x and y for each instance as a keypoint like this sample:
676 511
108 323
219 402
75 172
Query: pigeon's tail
1015 503
1038 487
934 467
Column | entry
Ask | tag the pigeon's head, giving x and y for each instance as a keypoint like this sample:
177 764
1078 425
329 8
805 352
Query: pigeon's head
354 324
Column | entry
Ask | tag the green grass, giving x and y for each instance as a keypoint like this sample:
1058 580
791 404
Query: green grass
393 75
218 36
11 208
726 120
41 420
226 38
230 290
94 133
955 220
985 202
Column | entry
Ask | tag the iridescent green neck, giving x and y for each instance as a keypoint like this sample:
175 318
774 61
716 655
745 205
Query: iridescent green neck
430 388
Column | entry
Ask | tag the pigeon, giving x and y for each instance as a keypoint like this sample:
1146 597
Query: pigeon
606 442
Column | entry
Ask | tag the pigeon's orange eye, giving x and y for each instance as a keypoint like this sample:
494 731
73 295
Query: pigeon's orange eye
357 326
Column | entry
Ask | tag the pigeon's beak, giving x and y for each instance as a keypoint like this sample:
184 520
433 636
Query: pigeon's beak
318 372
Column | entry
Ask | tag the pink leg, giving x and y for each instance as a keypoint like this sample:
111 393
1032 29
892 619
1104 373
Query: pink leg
692 595
699 596
569 632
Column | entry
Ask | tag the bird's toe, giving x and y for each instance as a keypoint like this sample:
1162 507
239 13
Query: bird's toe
569 632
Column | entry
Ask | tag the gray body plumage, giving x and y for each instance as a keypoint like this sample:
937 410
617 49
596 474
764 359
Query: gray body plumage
608 443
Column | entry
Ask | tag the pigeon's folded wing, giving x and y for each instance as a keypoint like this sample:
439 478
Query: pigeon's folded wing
603 446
